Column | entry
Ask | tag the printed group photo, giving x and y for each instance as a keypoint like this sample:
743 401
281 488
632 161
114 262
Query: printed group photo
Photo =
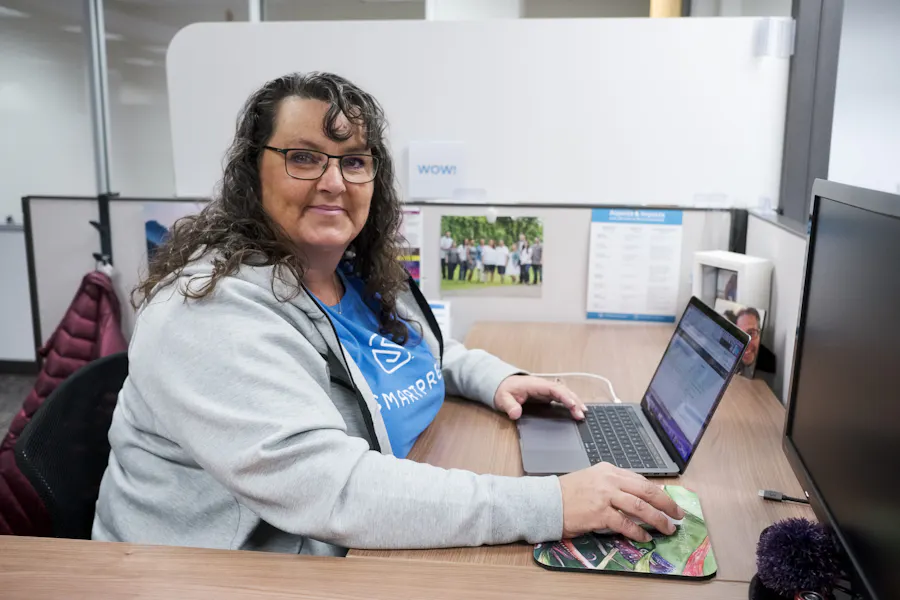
504 258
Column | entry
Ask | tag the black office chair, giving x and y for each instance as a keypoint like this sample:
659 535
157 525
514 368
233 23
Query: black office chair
64 450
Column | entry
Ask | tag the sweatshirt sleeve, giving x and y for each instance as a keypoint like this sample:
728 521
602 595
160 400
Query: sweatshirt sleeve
235 385
474 374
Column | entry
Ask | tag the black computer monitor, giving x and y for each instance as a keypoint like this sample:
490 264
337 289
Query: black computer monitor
842 434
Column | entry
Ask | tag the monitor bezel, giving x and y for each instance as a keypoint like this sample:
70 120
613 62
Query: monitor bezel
881 203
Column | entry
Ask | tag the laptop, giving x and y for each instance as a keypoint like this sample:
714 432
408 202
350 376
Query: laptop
658 436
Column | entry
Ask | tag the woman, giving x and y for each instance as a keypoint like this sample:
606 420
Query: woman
470 259
446 242
490 261
525 261
462 254
502 254
452 260
282 366
521 243
479 261
513 269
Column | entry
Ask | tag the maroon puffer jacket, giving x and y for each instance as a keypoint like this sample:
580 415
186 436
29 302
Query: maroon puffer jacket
89 330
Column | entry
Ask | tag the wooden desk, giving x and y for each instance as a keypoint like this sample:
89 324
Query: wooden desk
38 569
739 454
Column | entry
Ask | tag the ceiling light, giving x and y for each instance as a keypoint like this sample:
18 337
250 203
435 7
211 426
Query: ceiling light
156 49
132 95
12 13
110 37
140 62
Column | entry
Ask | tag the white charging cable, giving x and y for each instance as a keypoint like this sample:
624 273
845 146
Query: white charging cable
612 391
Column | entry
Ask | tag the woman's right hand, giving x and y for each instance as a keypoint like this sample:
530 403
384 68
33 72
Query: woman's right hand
604 497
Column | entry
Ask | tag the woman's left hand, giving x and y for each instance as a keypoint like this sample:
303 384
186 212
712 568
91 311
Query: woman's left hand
516 390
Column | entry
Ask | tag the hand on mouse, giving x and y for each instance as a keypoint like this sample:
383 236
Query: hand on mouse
603 496
514 391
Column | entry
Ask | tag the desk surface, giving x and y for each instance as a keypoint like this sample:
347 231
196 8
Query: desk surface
739 454
39 569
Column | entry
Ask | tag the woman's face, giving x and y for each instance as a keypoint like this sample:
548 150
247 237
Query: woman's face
322 214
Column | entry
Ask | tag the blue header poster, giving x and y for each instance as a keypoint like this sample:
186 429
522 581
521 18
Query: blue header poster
635 264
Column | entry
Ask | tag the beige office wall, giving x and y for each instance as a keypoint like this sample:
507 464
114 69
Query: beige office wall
64 243
566 249
787 251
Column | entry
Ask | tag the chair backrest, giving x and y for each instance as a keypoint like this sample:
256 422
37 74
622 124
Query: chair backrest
64 450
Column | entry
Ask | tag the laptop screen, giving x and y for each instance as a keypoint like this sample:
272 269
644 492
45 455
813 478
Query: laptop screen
690 378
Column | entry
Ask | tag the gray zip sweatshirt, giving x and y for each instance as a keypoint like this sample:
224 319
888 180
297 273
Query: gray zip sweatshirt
238 427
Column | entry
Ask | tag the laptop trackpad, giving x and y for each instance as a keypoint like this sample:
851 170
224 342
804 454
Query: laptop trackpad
551 446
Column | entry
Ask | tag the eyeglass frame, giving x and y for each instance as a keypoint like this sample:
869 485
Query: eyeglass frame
284 152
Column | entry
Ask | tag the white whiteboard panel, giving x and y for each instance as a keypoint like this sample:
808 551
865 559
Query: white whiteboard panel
594 111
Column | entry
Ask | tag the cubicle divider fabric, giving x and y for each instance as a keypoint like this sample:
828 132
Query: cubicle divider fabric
62 243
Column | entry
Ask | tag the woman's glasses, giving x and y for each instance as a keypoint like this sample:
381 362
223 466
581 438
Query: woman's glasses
306 164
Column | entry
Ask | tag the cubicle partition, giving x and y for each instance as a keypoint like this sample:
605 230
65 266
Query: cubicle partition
566 255
17 352
62 243
59 246
783 242
717 147
685 112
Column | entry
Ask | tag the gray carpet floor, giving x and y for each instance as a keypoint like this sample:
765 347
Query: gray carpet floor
13 389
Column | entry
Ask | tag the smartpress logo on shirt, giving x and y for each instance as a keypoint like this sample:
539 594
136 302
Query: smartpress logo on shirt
420 385
390 359
409 384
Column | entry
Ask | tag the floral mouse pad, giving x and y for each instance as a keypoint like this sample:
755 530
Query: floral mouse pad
687 553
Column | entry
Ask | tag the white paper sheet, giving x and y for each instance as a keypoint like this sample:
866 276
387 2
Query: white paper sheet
634 265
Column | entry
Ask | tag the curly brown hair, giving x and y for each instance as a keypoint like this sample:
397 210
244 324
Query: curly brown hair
236 230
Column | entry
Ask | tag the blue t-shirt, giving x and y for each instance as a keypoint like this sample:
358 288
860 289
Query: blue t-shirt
406 380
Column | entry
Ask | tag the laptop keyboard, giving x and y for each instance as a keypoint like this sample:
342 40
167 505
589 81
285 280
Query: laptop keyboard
613 434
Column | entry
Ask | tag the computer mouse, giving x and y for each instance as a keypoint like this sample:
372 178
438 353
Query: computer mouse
646 526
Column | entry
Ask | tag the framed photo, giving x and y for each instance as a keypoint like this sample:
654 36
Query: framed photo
751 321
500 259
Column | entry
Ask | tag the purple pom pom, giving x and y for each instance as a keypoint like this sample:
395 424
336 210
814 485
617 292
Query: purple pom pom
797 554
